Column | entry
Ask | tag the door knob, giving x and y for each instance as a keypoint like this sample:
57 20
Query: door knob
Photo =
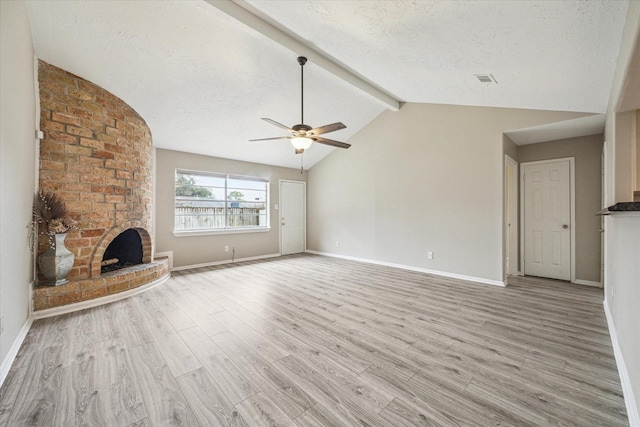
565 226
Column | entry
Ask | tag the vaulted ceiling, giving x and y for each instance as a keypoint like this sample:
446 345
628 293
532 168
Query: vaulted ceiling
203 73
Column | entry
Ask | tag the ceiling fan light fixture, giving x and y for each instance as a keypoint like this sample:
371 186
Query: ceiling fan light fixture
301 142
302 136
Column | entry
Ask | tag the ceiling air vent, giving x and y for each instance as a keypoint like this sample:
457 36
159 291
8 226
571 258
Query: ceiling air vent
486 78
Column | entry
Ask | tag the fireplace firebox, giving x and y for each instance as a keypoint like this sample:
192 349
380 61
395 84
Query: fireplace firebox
124 251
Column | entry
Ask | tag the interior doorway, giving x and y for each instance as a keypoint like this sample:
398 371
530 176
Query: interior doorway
511 215
547 219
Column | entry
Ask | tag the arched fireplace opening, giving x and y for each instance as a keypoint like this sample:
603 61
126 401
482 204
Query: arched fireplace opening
124 251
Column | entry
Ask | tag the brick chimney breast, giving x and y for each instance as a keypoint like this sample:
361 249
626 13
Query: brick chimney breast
97 156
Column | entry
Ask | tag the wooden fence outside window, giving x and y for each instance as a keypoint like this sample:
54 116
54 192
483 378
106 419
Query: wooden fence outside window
208 218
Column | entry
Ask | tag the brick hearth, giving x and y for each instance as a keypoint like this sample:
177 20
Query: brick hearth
107 284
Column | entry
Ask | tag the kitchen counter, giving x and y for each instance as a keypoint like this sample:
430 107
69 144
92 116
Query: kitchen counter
620 207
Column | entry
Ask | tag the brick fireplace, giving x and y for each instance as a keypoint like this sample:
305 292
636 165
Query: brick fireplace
96 155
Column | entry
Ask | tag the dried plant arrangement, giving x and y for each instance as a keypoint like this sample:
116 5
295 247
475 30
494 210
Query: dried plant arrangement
50 216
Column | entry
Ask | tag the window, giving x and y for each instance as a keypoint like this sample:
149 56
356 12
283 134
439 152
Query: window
216 202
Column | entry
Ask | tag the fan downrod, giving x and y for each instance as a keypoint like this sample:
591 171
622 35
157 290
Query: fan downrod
302 60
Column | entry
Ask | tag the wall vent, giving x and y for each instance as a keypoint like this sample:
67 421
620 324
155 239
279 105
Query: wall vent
486 78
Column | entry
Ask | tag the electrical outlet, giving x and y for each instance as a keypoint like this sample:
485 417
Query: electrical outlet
429 255
226 248
337 244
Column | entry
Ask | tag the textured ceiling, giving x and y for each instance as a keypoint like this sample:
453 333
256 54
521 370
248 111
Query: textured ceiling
549 55
202 80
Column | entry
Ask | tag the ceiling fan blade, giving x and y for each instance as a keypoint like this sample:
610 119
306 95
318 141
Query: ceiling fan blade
271 139
280 125
328 128
331 142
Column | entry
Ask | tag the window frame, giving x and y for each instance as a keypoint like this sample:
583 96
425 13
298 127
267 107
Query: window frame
227 229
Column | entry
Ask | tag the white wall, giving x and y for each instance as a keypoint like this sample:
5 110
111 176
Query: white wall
622 237
426 178
623 250
17 168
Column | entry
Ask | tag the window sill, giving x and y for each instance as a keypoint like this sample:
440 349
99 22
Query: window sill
190 233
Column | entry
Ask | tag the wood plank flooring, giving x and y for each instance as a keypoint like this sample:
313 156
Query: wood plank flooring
314 341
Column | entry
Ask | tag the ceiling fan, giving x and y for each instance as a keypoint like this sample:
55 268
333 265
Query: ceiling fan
302 136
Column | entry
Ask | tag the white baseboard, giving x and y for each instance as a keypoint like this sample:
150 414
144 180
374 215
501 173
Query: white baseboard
412 268
625 381
40 314
587 283
167 254
226 261
13 351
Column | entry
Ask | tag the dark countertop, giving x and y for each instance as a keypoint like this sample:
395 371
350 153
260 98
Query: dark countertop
621 207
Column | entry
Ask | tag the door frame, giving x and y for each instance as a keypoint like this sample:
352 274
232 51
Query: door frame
511 203
572 214
603 204
304 211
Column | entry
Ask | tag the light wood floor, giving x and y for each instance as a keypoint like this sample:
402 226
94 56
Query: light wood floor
315 341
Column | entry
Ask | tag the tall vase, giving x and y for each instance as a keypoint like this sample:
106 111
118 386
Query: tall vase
56 262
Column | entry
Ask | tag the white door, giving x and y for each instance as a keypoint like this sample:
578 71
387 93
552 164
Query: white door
292 217
547 219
